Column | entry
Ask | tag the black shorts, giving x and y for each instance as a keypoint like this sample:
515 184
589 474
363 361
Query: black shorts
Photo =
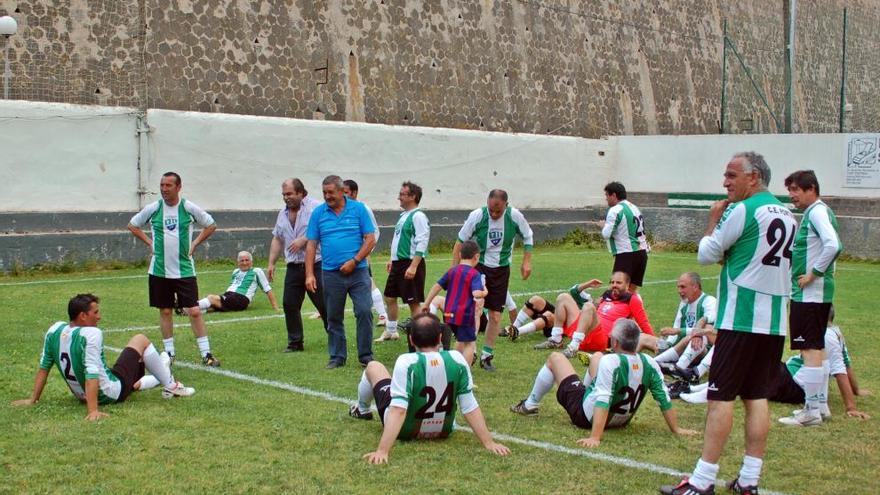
464 333
233 301
173 292
633 264
411 291
785 389
570 396
382 396
807 323
129 368
497 280
744 364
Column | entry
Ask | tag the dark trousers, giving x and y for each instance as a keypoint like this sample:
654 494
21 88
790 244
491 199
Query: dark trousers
294 294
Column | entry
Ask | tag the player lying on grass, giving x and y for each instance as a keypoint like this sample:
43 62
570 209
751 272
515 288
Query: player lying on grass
539 314
615 386
419 401
242 287
77 350
590 325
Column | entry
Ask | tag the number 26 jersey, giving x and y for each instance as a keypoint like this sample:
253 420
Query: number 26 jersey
754 241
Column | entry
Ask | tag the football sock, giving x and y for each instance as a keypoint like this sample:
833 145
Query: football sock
667 356
750 471
543 384
812 379
365 393
509 303
704 475
204 304
521 318
168 344
826 373
528 328
687 357
556 334
153 363
391 326
147 382
487 351
704 365
432 308
576 339
378 302
204 346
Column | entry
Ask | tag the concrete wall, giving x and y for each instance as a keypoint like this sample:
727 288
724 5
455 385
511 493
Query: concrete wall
695 164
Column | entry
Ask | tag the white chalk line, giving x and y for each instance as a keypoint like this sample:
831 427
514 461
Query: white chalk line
596 456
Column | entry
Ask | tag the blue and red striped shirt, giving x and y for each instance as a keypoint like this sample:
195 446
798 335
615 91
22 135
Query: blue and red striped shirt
459 283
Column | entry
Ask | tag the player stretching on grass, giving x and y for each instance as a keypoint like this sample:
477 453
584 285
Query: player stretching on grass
419 400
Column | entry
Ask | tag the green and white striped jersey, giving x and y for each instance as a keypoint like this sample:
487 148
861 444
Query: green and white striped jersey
816 247
688 314
411 235
245 283
172 228
753 239
428 385
78 353
625 229
621 383
495 237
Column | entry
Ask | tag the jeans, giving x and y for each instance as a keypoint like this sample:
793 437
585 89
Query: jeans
358 286
294 293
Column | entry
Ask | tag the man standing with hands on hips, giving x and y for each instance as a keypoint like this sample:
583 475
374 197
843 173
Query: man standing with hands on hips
346 234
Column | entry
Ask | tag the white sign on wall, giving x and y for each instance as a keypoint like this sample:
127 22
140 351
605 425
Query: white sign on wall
862 161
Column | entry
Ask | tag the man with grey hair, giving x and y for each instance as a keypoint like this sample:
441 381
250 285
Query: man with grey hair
751 234
696 310
242 288
607 397
347 235
289 237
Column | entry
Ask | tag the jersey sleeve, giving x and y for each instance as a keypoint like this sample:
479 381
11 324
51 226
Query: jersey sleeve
834 350
470 225
464 387
277 229
262 280
604 385
142 218
94 349
725 235
401 386
677 323
831 246
46 357
444 280
710 309
477 283
423 233
637 309
203 218
611 220
655 383
525 230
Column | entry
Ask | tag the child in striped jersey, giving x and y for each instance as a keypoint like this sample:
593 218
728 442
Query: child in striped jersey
464 294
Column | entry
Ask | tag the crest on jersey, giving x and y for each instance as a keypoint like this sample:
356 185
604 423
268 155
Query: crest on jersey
690 320
171 223
495 237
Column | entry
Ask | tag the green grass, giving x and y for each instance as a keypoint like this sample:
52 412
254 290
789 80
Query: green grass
235 436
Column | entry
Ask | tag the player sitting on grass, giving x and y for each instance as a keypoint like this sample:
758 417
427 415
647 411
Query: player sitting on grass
242 287
464 295
419 400
612 390
77 350
538 314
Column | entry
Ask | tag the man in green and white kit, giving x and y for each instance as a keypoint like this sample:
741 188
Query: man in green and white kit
610 393
816 247
77 350
494 227
242 288
751 233
406 269
624 229
419 400
172 269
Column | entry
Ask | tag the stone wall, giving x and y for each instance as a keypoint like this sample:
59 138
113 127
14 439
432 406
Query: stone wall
585 68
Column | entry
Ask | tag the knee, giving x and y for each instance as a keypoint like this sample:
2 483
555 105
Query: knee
561 298
195 312
374 371
165 312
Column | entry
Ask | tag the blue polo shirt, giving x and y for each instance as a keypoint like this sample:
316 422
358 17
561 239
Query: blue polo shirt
341 236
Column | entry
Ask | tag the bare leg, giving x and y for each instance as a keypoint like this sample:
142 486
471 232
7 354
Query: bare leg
757 426
494 327
166 322
392 309
197 322
467 350
719 422
413 309
376 372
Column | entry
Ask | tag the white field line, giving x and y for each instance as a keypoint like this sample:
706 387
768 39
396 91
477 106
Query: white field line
597 456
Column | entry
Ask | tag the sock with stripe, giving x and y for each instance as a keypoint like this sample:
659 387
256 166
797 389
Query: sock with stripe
168 344
487 351
521 318
153 363
204 346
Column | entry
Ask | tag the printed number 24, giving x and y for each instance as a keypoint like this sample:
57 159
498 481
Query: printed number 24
443 404
776 237
639 224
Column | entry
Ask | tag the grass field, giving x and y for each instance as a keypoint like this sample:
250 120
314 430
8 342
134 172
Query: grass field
271 422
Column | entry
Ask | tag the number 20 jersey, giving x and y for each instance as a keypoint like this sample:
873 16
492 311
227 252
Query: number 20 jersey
754 240
621 383
429 385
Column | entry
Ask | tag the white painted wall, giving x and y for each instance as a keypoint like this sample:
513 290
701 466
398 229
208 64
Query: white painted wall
235 162
58 157
695 164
